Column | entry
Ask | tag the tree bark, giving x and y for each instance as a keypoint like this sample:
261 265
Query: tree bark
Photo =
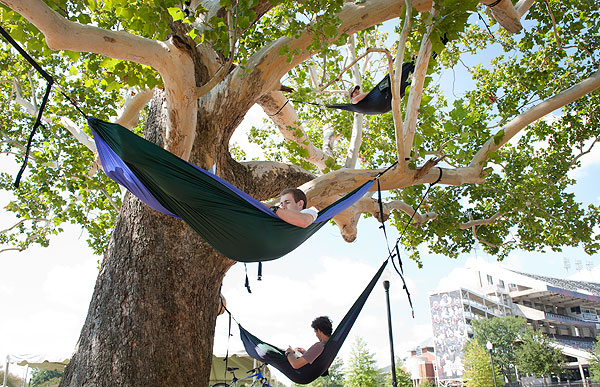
152 316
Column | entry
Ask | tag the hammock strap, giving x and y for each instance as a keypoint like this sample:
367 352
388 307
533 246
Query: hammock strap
485 23
259 276
397 250
25 55
38 120
495 3
247 281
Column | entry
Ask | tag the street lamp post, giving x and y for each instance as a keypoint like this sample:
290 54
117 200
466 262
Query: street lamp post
386 286
489 347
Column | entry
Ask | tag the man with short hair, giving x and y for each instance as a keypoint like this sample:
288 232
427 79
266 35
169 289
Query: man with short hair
323 329
292 208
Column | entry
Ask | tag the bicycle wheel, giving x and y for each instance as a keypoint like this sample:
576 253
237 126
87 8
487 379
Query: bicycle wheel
220 385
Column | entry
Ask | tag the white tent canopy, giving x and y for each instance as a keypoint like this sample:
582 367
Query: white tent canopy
39 361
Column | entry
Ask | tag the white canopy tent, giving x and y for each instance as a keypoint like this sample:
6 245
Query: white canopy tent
39 361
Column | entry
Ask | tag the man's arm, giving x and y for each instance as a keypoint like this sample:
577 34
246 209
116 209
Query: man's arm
300 219
295 362
359 98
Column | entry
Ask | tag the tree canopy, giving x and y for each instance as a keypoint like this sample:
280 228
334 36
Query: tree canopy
500 193
478 366
503 333
537 356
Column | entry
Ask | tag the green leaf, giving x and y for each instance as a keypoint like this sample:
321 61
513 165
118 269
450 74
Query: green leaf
176 13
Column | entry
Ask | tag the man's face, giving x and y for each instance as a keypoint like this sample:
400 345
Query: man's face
287 202
355 93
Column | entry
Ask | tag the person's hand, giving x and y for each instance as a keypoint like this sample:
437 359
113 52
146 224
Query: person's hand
301 350
289 350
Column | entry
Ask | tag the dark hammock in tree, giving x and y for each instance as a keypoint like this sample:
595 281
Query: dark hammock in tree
379 99
274 356
233 222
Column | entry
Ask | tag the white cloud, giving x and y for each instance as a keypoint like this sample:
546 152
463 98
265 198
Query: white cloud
513 262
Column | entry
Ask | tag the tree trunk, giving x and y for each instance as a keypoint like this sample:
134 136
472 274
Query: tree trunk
152 316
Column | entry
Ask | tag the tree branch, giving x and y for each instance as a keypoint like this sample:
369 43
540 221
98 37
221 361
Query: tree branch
506 15
32 110
357 120
523 6
269 66
515 125
135 101
283 114
396 81
416 92
174 64
348 220
23 221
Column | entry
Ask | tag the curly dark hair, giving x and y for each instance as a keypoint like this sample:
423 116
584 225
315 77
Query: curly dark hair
323 324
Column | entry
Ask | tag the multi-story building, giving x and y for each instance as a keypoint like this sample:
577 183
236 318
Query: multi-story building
420 364
565 310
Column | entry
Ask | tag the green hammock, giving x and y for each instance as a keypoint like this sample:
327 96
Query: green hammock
233 222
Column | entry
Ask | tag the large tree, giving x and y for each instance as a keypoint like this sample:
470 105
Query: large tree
478 365
203 65
536 355
502 332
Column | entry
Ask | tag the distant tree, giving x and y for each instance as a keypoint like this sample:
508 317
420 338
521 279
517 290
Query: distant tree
428 383
361 370
595 363
478 368
12 380
403 378
334 379
45 378
502 332
276 383
536 355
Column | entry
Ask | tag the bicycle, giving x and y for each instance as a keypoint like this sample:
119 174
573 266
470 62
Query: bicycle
256 374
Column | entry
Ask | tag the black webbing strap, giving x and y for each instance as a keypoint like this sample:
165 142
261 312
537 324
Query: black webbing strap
397 250
226 360
29 59
380 202
38 120
495 3
259 276
486 25
247 281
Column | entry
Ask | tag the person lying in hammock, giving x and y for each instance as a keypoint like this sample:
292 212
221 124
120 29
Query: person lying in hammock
355 95
323 328
292 208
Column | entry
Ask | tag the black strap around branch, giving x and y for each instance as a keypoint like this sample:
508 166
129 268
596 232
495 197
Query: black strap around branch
495 3
38 120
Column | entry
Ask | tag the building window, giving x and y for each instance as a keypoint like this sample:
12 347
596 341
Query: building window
512 287
501 284
490 280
